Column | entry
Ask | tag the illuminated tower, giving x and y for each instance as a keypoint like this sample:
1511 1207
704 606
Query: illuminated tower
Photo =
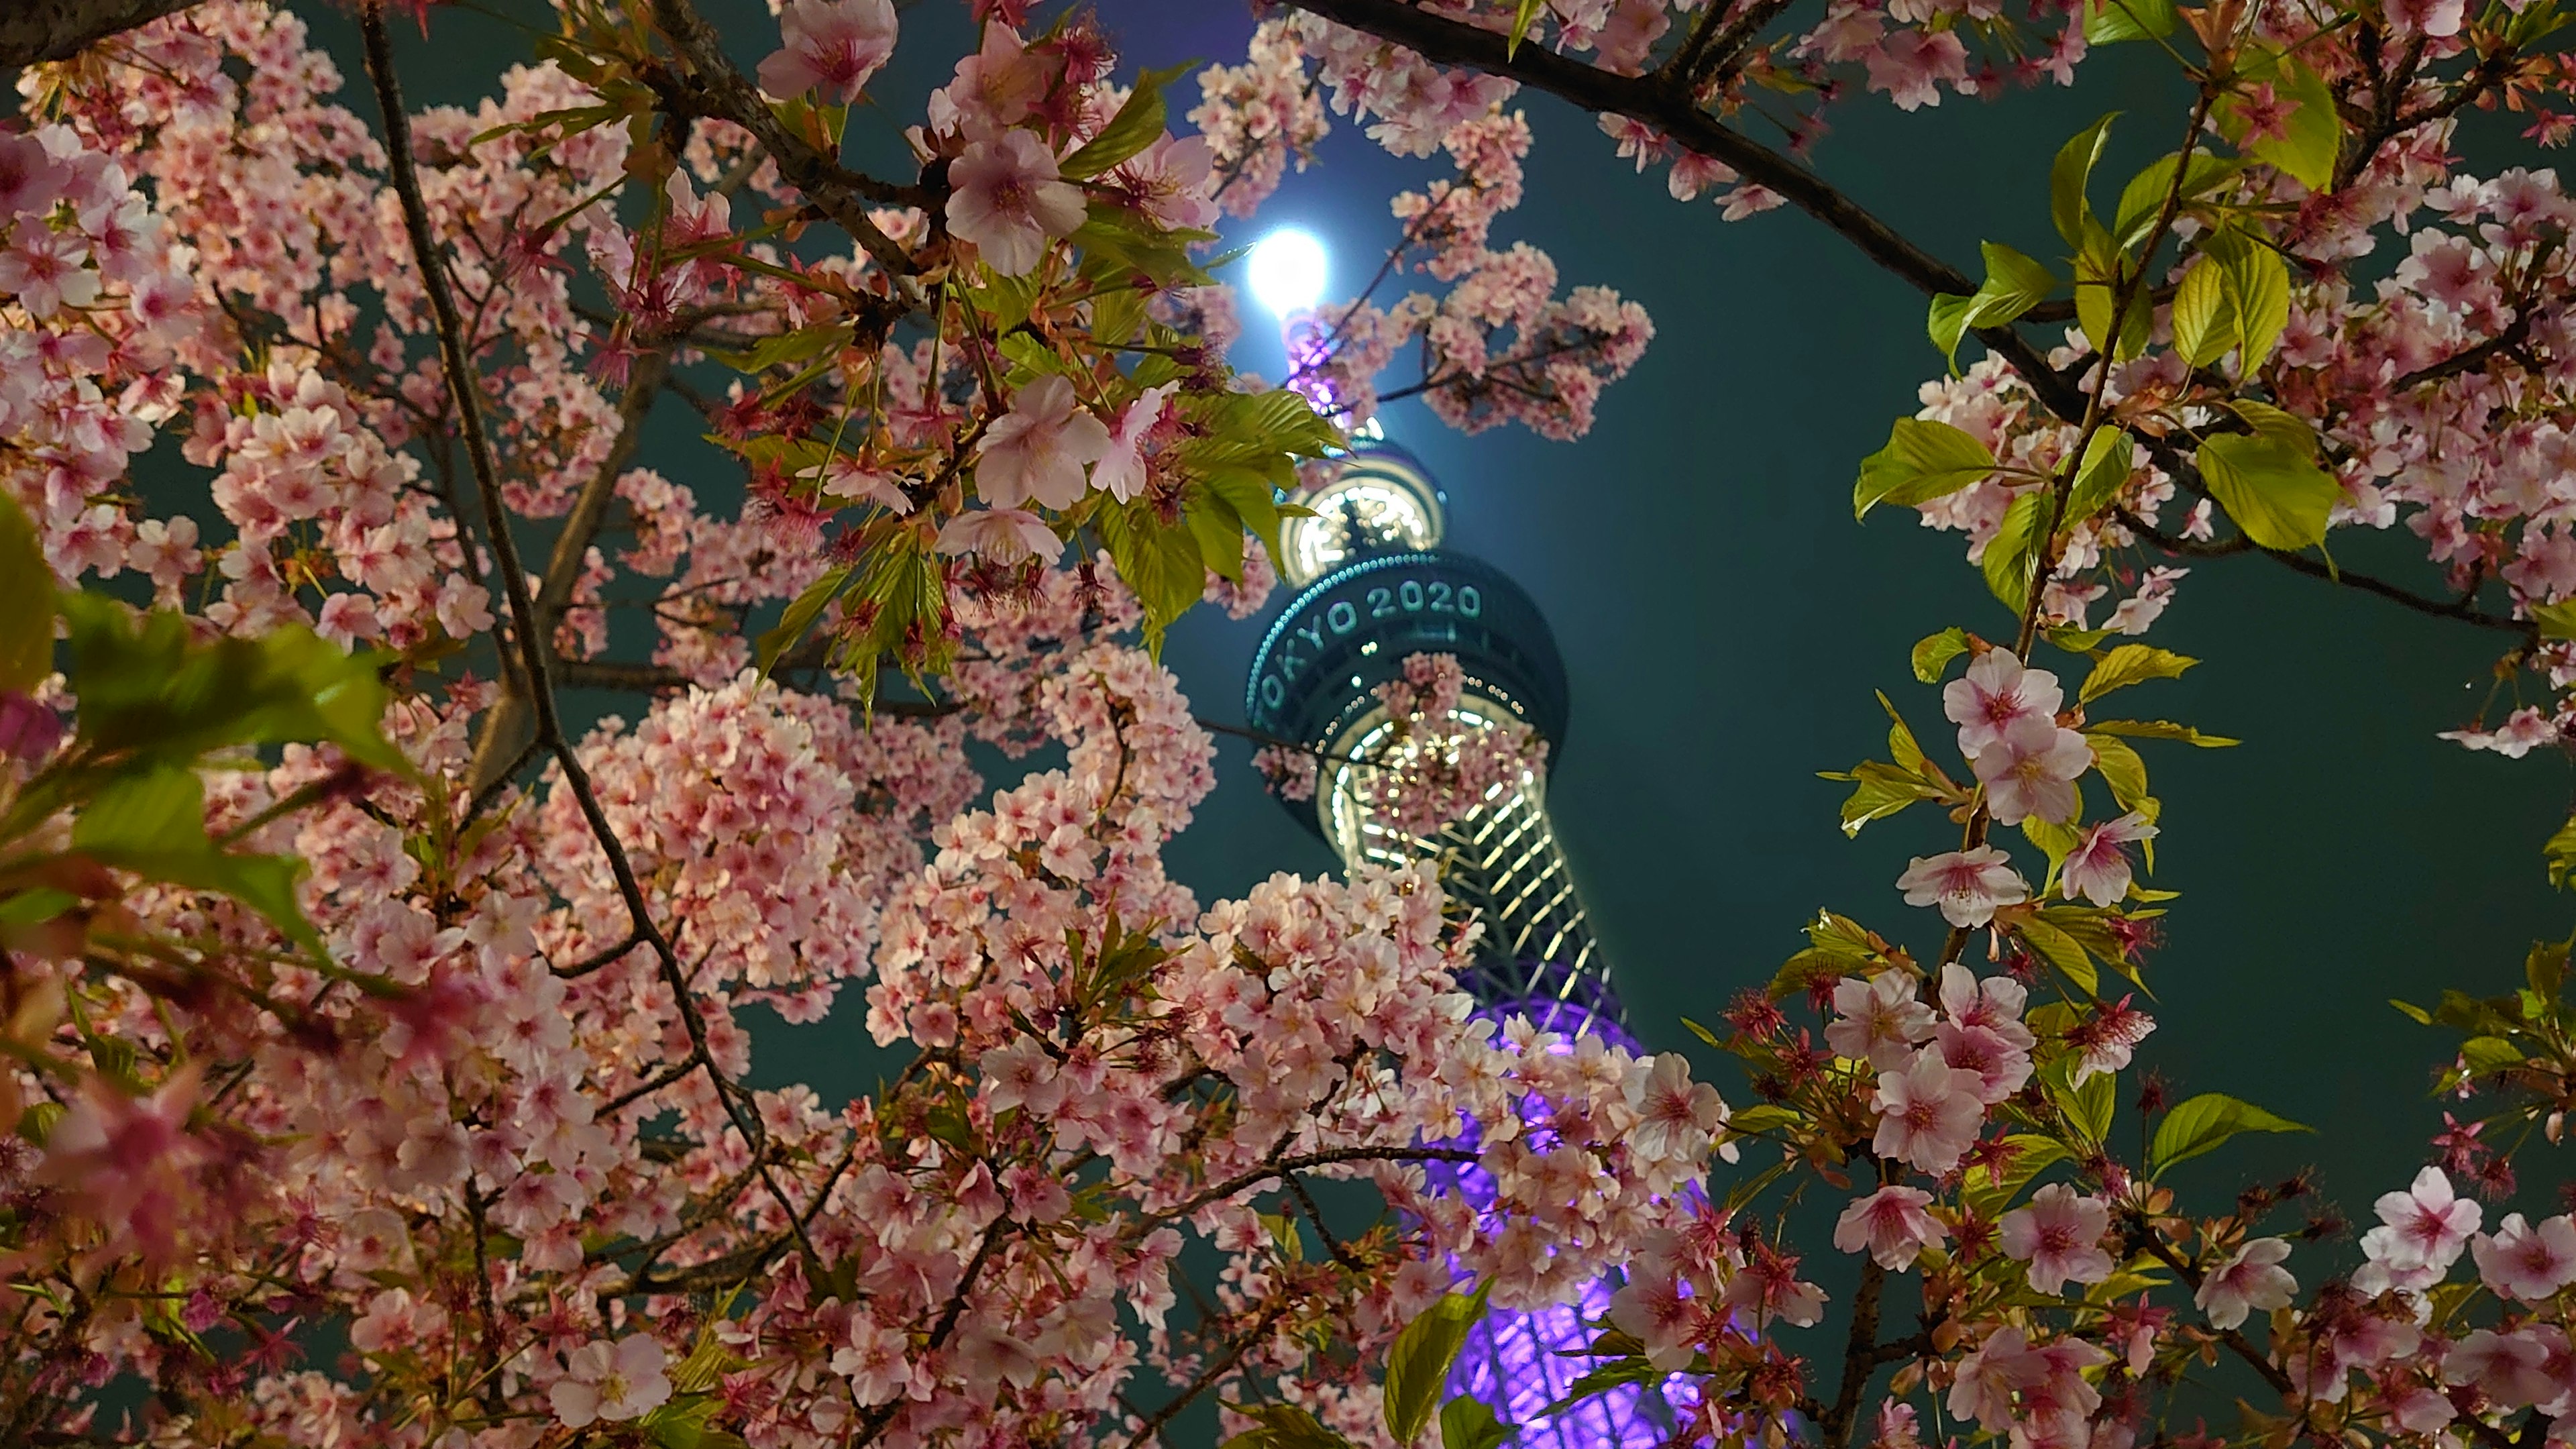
1374 587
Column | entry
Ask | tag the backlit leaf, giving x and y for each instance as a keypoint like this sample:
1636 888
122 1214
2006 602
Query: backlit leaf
1923 460
2280 498
26 603
2132 664
2204 1122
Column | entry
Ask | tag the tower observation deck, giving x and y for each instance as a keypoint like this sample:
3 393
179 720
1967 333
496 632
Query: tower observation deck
1375 587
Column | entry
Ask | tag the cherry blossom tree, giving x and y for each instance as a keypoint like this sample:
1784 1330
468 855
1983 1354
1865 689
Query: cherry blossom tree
358 994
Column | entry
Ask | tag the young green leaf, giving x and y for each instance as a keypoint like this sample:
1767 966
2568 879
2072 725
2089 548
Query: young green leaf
1470 1424
2258 293
1418 1365
2158 729
2204 321
2108 22
2278 497
1947 322
2143 199
2007 559
1136 126
2306 141
2120 767
2014 284
2278 424
800 616
26 603
2068 176
2132 664
2103 472
2202 1123
1933 653
1923 460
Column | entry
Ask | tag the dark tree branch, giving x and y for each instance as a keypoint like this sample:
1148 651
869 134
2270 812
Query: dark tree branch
1207 1379
465 390
2461 609
33 31
1654 101
719 90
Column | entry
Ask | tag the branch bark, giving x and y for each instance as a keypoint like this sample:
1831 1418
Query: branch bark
33 31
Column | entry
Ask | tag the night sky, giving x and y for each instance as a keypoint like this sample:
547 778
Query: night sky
1724 621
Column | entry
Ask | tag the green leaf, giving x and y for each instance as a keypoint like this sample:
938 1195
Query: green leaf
2420 1015
26 603
2091 1106
2546 968
801 614
1470 1424
1879 790
2143 199
1160 562
149 686
2120 768
1613 1375
1947 322
2132 664
2258 292
2202 1123
2014 284
2068 176
2108 22
2556 621
1933 653
2204 322
1283 1426
2559 851
2278 497
1134 128
2103 472
2098 275
2278 424
1418 1365
1923 460
2159 729
2007 560
2060 950
151 819
1521 23
2312 134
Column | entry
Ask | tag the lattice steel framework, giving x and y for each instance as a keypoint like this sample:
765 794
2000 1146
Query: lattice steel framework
1313 682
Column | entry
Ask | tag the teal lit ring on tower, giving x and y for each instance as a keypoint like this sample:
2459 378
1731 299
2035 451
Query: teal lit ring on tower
1317 671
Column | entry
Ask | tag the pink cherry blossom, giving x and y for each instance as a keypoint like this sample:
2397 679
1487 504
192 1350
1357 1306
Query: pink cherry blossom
2030 777
2425 1226
834 44
1969 885
1009 200
1038 449
1877 1019
2528 1261
1892 1224
612 1381
1004 535
2251 1280
2097 869
1122 471
1998 700
1928 1113
2511 1369
2060 1235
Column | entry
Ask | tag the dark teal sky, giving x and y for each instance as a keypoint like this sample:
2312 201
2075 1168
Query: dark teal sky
1724 621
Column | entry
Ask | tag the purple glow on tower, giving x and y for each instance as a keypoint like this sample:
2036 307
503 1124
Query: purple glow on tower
1521 1362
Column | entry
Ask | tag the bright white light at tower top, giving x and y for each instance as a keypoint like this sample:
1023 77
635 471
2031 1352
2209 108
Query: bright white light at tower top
1287 270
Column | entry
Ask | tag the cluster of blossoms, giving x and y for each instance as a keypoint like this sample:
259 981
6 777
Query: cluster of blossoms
439 1037
1436 762
1500 345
